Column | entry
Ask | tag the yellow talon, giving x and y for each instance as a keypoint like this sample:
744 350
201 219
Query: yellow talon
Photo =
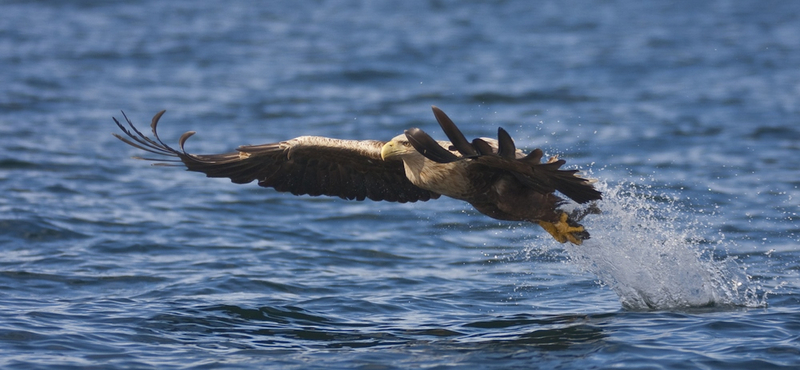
563 231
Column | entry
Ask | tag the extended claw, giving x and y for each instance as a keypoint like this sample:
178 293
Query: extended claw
565 231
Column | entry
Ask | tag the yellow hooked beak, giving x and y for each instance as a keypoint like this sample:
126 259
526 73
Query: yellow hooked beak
390 149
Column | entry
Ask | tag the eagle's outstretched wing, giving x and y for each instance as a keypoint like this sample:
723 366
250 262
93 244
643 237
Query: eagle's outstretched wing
504 156
313 165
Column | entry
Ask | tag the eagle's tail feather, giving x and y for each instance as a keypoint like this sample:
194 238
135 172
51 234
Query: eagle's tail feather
577 188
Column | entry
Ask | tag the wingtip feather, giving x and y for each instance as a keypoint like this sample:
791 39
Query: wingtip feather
455 135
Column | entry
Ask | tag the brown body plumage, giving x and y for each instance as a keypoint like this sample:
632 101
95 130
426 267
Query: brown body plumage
492 175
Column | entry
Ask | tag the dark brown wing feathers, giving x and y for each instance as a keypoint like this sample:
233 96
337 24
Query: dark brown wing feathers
428 147
543 177
505 145
310 165
454 134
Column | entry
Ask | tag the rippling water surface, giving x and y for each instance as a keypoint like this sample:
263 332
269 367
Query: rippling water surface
686 113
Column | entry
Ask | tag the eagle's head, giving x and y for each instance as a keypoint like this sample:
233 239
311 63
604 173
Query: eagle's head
398 148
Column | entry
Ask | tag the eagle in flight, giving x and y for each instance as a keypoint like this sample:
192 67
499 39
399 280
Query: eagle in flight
497 179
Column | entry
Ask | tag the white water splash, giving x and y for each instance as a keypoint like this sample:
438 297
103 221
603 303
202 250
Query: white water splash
649 252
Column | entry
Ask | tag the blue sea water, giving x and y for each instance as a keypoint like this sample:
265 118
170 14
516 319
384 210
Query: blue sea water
686 112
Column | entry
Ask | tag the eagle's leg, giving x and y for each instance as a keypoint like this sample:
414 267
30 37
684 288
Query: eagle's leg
565 231
579 214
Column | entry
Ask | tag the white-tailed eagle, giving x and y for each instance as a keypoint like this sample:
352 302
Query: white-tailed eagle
492 175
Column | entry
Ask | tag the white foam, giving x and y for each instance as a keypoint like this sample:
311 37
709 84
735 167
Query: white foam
650 253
